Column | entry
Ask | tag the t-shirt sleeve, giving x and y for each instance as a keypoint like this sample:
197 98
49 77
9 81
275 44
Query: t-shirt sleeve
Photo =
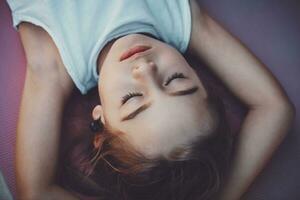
174 23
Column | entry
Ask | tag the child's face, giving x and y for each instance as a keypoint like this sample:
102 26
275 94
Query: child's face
166 113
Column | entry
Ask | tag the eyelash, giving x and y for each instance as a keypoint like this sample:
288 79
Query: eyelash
174 76
168 81
130 95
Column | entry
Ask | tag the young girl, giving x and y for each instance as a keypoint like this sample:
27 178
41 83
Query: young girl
164 133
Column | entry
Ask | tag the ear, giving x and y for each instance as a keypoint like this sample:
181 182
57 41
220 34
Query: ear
98 114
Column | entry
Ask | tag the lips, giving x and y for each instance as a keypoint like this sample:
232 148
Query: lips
134 50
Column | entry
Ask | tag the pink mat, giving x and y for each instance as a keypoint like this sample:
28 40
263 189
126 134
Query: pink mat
12 70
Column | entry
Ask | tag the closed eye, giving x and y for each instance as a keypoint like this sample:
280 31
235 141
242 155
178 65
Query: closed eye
176 75
133 114
129 96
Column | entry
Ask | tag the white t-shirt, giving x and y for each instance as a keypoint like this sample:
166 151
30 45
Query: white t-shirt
81 28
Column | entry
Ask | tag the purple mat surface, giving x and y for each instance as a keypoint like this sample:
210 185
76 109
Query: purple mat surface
270 28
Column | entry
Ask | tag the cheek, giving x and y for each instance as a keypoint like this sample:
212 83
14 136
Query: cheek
110 80
174 59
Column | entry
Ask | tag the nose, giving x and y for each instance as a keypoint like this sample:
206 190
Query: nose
145 72
144 69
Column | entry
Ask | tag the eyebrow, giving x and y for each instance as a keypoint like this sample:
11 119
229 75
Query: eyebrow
147 105
185 92
136 112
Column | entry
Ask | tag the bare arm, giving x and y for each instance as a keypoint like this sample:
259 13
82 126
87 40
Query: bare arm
47 87
270 110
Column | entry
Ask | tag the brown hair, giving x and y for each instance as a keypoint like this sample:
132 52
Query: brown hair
195 172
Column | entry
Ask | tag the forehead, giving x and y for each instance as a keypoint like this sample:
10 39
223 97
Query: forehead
162 130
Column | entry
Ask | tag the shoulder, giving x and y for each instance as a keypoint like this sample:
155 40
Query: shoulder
37 43
195 7
197 14
42 56
200 20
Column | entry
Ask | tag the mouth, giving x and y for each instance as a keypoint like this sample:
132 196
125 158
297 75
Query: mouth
135 50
